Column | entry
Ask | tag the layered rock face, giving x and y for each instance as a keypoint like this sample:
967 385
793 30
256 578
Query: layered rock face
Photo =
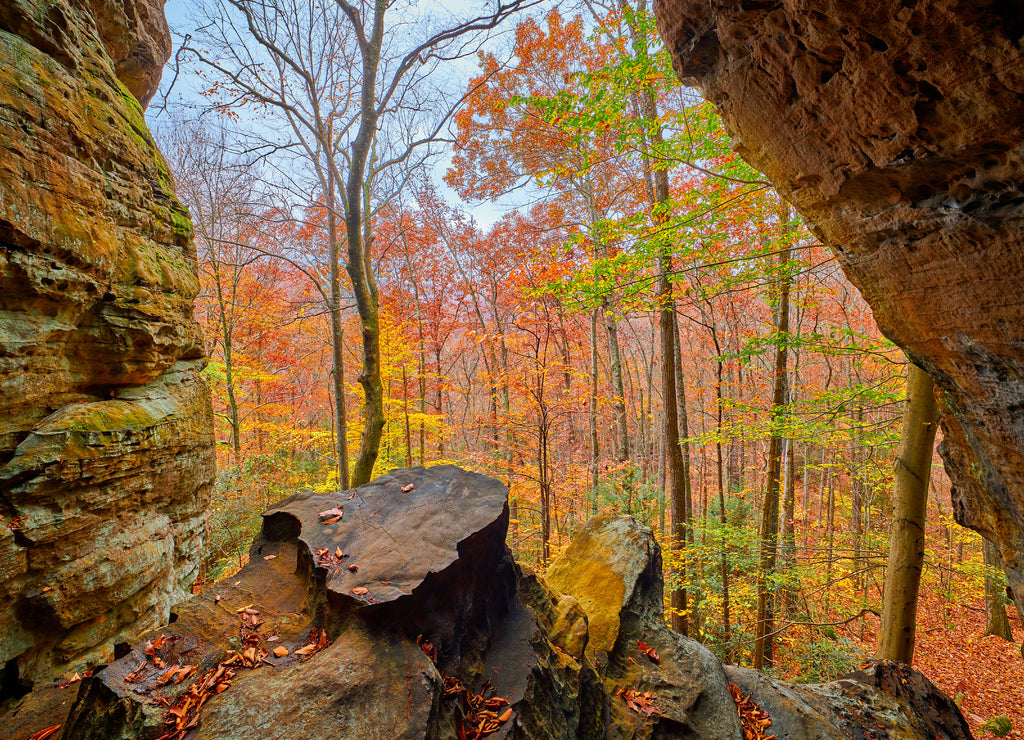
895 127
106 457
396 611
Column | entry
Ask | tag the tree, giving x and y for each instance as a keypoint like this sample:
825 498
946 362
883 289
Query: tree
996 622
763 638
906 552
337 77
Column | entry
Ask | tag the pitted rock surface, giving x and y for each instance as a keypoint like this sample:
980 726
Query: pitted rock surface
894 126
106 445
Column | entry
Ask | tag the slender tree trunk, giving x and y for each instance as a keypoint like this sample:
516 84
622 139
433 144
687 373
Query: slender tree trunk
996 622
906 552
594 444
337 337
769 532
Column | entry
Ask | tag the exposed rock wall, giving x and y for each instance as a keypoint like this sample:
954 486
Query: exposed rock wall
106 449
896 127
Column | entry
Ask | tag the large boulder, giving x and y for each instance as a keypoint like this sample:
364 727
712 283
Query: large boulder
894 127
106 447
613 569
396 611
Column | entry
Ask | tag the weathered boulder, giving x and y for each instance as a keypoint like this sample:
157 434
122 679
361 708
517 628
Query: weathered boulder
895 128
613 569
406 579
106 449
885 700
437 634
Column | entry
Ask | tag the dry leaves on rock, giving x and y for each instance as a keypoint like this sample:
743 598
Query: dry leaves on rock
480 714
333 515
183 715
641 703
648 651
753 719
44 734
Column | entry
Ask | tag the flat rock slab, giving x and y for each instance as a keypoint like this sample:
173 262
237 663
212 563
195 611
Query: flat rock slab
330 614
393 533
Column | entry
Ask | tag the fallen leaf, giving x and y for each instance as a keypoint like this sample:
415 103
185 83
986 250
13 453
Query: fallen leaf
43 734
360 591
269 557
45 589
338 554
152 646
305 650
406 489
280 651
247 606
332 515
353 567
648 651
505 716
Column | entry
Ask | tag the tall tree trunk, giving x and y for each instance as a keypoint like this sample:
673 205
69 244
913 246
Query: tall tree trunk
769 532
996 622
594 445
684 451
906 551
337 337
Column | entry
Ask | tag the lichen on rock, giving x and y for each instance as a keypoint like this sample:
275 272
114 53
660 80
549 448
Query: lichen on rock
106 449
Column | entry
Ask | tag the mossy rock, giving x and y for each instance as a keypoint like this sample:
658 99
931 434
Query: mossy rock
998 726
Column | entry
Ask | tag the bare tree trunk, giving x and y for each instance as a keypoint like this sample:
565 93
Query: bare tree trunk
906 552
996 622
769 532
337 337
595 450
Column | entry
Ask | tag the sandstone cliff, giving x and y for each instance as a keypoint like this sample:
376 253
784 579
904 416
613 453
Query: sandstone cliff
896 127
105 424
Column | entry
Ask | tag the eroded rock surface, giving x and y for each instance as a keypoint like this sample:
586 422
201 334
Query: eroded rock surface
895 128
437 616
106 456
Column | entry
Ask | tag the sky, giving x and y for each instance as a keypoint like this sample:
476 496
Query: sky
182 19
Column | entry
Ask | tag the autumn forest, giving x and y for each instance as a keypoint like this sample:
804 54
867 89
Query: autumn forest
511 240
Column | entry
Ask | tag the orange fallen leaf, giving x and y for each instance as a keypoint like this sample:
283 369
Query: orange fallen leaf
305 650
281 651
43 734
353 568
360 591
332 515
269 557
406 489
338 554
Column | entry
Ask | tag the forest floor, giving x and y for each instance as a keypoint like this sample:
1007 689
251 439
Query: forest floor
951 652
988 671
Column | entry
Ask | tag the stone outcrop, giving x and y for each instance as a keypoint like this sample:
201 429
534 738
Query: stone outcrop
894 127
106 457
396 611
